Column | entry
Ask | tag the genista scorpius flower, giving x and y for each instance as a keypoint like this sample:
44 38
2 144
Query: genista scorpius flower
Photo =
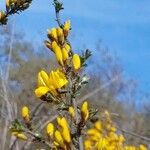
25 113
56 80
76 61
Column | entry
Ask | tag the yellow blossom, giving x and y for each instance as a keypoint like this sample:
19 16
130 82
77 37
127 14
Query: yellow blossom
60 35
76 62
85 111
52 34
58 138
142 147
65 129
88 145
50 129
98 125
67 47
65 54
72 111
67 27
25 113
51 83
58 53
20 135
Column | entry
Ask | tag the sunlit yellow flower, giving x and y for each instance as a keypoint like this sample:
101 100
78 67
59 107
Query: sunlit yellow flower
59 139
50 129
98 125
65 54
67 27
65 129
88 145
76 61
20 135
51 83
142 147
57 79
52 34
58 53
67 47
72 111
25 113
85 111
101 144
60 35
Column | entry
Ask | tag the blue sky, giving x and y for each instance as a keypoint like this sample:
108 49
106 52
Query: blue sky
123 26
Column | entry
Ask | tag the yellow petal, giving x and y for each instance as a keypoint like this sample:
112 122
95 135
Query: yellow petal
43 78
25 113
65 54
76 61
72 111
58 138
60 35
98 125
67 27
41 91
52 34
85 111
20 135
67 47
50 129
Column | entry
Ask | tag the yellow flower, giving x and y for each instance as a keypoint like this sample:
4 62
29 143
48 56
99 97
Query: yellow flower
20 135
67 47
67 27
142 147
102 144
51 83
65 130
25 113
52 34
88 144
50 129
76 62
60 35
58 52
57 79
85 111
58 138
98 125
65 54
72 111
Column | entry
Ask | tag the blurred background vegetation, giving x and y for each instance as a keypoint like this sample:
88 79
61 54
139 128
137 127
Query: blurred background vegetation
108 89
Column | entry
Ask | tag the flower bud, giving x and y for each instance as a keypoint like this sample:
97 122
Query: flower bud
76 62
67 27
72 111
25 113
84 111
50 129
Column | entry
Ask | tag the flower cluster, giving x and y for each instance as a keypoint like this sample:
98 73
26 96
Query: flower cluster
104 136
